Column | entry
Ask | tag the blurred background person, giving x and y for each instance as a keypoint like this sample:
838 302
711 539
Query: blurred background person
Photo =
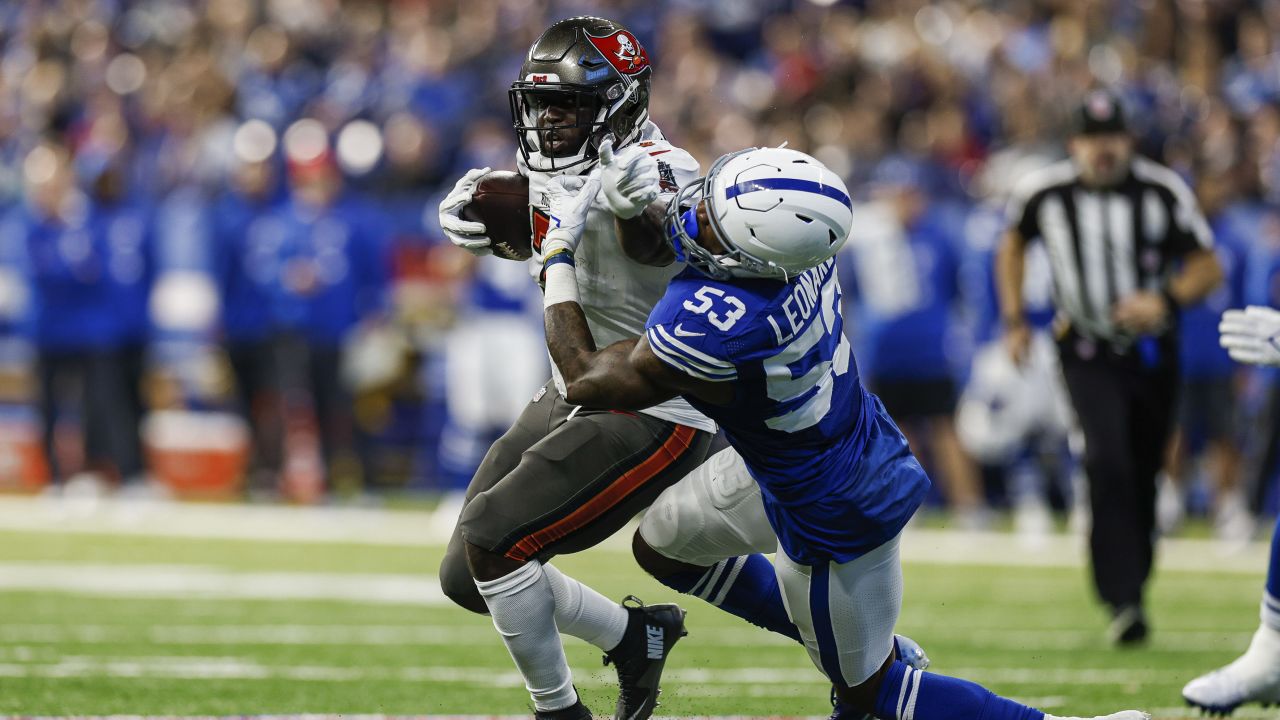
1129 248
331 276
1206 443
494 363
75 327
905 296
123 217
245 235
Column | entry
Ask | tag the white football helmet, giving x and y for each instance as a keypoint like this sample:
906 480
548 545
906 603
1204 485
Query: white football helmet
778 212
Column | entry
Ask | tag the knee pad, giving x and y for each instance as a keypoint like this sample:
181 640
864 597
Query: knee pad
672 521
457 584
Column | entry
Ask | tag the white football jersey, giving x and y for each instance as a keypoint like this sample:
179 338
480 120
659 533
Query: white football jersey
618 293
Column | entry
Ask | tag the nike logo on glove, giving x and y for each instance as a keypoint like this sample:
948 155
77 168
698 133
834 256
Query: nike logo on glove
681 332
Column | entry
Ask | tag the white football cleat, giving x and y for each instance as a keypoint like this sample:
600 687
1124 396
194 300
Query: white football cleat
1121 715
1254 677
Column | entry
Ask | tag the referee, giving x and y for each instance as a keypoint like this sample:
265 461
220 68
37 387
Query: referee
1128 247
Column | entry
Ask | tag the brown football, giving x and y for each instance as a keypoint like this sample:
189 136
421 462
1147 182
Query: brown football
501 202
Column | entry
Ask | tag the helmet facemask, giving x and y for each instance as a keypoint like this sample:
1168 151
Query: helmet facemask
559 123
683 230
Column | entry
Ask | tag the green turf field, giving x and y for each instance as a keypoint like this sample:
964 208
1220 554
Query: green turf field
106 623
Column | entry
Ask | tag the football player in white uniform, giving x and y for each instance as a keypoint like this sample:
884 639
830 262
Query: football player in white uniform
564 478
1251 336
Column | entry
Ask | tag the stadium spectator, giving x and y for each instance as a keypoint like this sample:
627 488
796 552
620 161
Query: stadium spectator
973 89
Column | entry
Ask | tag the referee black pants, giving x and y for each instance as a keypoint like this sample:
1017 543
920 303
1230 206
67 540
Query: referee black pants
1125 407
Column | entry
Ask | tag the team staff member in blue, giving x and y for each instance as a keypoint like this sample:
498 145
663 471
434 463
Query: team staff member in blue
906 266
751 333
74 325
331 271
245 237
1207 397
124 226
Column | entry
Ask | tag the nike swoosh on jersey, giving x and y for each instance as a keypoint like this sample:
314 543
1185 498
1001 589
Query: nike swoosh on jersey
681 332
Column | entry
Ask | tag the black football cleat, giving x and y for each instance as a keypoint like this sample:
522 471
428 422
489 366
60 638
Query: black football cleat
1128 627
652 630
576 711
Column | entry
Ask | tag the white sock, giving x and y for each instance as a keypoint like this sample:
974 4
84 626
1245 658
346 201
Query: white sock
1270 611
585 613
1265 646
523 610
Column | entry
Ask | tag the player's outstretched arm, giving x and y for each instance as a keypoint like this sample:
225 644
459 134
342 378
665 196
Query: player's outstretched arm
643 237
624 375
599 378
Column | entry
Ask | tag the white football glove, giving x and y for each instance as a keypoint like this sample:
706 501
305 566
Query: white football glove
629 178
1251 335
466 234
569 200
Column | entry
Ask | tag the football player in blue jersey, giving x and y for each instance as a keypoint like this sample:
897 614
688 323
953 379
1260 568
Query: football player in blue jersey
751 334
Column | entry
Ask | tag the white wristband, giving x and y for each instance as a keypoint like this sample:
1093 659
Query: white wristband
561 285
557 239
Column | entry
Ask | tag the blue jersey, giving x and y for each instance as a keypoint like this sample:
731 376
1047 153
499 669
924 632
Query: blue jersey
126 239
1201 355
1262 266
835 473
67 262
906 287
246 236
332 268
983 231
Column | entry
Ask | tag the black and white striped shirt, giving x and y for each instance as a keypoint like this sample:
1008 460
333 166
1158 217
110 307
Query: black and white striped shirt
1106 244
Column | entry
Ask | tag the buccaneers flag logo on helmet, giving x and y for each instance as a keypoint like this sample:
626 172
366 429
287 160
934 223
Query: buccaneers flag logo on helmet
622 51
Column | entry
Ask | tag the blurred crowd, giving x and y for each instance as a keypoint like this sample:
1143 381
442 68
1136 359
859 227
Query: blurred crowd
222 210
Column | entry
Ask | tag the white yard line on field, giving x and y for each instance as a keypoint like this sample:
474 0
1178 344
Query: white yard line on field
200 582
416 528
690 679
363 526
454 635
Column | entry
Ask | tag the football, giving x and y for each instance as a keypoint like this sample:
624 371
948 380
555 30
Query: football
501 202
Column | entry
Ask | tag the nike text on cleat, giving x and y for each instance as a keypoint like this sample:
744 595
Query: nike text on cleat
652 630
1252 678
681 332
653 640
